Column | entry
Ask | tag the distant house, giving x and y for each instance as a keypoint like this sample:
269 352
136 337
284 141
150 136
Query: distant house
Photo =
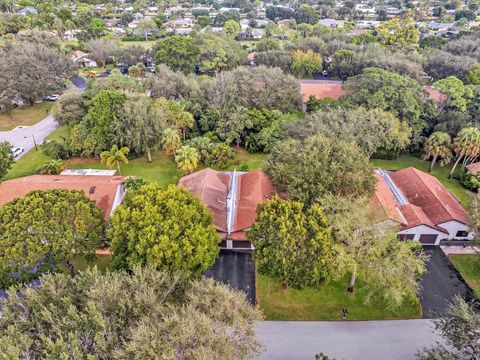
27 11
81 58
436 26
107 191
421 207
232 199
473 168
331 23
153 10
333 89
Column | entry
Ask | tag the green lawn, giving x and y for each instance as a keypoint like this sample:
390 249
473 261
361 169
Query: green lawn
326 303
102 262
146 44
441 173
28 163
469 267
25 116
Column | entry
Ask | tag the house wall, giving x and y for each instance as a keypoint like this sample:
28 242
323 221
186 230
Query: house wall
422 229
453 227
119 195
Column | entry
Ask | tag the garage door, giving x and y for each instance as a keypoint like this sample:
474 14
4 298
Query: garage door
428 238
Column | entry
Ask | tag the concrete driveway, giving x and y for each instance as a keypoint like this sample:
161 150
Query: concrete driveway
441 283
350 340
236 269
23 136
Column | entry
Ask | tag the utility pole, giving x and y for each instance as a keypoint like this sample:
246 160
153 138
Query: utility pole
35 143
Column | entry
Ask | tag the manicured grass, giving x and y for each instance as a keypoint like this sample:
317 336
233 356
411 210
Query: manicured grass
254 161
25 116
469 267
101 261
161 170
29 162
441 173
325 303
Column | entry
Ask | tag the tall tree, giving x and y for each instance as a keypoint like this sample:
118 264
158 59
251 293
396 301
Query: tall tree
377 88
458 95
179 53
438 145
187 159
44 229
293 244
114 157
306 63
138 127
167 229
6 159
342 64
308 170
162 315
31 71
460 330
467 146
146 26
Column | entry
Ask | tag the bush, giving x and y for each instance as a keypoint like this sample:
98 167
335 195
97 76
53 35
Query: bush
469 181
55 150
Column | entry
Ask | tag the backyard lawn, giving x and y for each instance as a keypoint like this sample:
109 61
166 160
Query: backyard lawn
441 173
469 267
102 262
327 303
25 116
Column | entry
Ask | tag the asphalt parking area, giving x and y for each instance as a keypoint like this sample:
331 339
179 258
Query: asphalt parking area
236 269
440 284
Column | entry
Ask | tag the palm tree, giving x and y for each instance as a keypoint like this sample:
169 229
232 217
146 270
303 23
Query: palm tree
171 141
52 167
438 145
115 156
467 146
187 158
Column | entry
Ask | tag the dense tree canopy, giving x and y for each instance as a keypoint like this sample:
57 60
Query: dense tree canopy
401 95
45 229
6 159
121 315
167 229
178 53
310 169
293 244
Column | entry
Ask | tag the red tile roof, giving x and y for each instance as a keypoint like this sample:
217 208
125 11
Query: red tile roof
101 189
212 188
426 192
474 168
415 216
383 199
321 90
254 188
435 95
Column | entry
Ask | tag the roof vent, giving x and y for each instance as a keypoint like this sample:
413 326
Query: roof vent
92 189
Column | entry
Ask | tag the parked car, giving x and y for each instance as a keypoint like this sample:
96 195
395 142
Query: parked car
53 97
16 151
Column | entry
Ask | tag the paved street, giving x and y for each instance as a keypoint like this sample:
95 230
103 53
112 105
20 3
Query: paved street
349 340
22 136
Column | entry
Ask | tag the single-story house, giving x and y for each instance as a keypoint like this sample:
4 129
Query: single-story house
421 207
27 11
81 58
474 168
107 191
331 23
232 199
333 89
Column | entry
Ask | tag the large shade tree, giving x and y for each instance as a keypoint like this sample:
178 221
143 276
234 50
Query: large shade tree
178 52
144 314
168 229
45 229
308 170
293 244
6 159
386 90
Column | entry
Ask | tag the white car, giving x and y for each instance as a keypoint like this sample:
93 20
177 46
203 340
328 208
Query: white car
16 151
53 97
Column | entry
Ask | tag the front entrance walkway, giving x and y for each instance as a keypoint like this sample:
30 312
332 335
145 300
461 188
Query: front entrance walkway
236 269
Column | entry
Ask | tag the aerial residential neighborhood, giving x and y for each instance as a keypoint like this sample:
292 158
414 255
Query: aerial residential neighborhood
233 179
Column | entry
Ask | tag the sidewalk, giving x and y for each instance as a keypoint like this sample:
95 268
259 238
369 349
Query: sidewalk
460 250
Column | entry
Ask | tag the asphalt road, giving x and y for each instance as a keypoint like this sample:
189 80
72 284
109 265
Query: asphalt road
440 284
23 136
349 340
